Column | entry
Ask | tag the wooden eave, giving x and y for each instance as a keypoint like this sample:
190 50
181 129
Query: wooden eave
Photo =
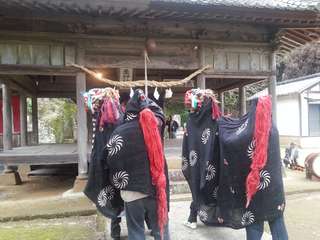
292 38
158 10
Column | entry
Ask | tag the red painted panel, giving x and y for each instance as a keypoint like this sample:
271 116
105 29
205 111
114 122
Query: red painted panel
15 103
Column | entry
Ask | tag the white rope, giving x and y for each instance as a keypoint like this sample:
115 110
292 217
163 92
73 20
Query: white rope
141 83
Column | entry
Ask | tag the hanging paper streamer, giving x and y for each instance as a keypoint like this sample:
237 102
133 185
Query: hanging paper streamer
168 93
131 92
156 93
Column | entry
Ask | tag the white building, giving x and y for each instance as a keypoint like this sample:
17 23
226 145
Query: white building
298 110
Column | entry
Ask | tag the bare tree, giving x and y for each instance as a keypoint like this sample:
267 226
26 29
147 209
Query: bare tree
303 61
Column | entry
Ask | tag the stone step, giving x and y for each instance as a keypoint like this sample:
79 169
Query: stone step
178 183
174 162
179 187
176 175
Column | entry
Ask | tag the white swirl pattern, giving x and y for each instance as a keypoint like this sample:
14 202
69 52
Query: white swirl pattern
251 148
242 127
114 145
211 172
247 218
205 135
203 215
131 116
265 180
185 163
193 158
105 195
120 179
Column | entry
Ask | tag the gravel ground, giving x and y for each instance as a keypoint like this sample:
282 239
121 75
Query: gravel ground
302 216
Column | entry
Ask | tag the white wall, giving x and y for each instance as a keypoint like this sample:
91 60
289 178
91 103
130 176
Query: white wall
288 115
305 115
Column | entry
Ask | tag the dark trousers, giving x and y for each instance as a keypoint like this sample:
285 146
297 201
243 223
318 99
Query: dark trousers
115 227
136 211
277 227
193 212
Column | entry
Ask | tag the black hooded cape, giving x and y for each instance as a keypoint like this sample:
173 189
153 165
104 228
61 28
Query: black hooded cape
99 189
200 157
221 201
126 154
237 147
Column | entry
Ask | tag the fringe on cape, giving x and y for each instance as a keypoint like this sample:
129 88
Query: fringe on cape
261 135
149 125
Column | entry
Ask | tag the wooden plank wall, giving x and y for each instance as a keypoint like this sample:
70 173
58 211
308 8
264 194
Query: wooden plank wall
237 58
36 54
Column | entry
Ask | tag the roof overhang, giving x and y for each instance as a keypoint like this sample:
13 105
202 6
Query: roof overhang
291 38
256 12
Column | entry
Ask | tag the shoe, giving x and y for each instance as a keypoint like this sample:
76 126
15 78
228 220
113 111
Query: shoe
192 225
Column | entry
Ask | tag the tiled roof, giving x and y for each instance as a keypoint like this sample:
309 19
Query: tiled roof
262 4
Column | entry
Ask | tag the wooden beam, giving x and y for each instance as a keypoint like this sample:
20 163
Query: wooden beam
23 120
305 33
56 94
241 82
273 86
282 46
242 100
201 81
295 38
67 38
300 35
7 117
17 86
221 99
291 41
288 44
82 129
315 33
36 70
35 127
238 75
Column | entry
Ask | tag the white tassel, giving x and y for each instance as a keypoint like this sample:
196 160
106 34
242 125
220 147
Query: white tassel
168 93
131 92
156 93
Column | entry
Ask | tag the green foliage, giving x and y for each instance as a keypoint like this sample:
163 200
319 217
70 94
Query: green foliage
172 107
59 116
231 102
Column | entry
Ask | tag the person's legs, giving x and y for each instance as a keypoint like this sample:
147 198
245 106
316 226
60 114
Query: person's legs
278 229
151 208
135 214
115 228
192 219
255 231
193 212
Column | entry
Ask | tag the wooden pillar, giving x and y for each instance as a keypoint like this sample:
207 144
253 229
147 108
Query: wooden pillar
273 85
23 120
35 127
7 131
7 117
242 100
82 128
201 81
221 99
